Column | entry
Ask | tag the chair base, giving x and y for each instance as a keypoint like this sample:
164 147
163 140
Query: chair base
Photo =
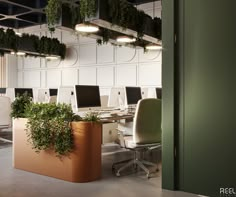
136 162
5 140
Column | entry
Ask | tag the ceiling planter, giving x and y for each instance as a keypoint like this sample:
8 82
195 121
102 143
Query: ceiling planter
30 44
122 17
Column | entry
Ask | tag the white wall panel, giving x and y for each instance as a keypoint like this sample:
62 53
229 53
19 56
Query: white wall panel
71 57
126 75
69 77
20 63
31 79
149 56
20 79
105 53
53 78
31 62
150 74
87 54
126 55
52 63
43 79
69 38
87 76
105 76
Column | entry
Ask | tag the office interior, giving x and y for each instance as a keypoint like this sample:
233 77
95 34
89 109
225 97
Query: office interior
196 169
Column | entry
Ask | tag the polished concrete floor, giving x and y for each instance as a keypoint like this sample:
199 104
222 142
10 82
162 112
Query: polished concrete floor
18 183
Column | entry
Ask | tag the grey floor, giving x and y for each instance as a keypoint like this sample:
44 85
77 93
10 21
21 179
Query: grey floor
18 183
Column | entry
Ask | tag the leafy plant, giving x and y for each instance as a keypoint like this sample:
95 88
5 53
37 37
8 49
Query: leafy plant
49 126
87 8
53 11
91 116
20 105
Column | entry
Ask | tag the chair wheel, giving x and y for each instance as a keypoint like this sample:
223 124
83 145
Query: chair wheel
148 176
118 174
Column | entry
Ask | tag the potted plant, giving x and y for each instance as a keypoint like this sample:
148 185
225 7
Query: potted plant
52 141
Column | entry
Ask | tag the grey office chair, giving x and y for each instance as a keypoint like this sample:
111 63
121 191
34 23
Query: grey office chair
5 111
146 134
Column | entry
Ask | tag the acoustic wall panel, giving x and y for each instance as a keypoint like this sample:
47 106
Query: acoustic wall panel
87 76
53 78
31 79
105 76
87 54
126 75
31 62
105 53
69 77
20 79
150 74
126 55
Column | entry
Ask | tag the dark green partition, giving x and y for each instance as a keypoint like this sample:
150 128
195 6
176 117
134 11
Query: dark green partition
204 105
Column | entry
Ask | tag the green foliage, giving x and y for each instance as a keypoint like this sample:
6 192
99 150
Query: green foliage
91 117
53 11
19 106
87 8
32 44
49 127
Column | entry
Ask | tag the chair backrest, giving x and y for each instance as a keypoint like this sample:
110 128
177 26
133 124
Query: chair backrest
5 111
147 121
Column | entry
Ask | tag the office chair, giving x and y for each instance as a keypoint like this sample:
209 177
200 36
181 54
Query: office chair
146 134
5 119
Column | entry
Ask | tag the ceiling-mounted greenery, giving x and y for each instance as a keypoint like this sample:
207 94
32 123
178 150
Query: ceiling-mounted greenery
53 13
31 44
87 8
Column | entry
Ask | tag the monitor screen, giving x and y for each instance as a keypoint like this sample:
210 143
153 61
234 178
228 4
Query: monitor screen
52 92
3 90
158 93
133 95
21 91
87 96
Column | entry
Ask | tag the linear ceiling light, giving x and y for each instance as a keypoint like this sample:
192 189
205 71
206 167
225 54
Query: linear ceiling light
153 47
88 28
52 57
125 39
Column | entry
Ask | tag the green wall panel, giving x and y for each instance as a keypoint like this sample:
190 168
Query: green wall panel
206 65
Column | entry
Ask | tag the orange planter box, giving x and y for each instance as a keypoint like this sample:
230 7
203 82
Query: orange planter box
83 164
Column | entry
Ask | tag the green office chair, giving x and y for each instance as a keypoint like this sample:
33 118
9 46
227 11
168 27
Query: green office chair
146 134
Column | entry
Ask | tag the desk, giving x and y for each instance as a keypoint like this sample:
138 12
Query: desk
110 125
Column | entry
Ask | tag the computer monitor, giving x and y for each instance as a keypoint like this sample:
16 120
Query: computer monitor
133 95
117 97
87 97
43 95
52 92
158 93
66 95
3 90
21 91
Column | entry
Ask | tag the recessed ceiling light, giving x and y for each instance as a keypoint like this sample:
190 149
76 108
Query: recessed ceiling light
13 53
125 39
18 34
20 53
153 47
52 57
87 28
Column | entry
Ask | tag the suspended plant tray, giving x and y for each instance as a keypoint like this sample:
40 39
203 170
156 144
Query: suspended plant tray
126 19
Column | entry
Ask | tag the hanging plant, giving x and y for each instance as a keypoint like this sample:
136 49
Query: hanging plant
53 13
87 8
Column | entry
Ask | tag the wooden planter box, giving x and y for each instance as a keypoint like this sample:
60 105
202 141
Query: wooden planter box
83 164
